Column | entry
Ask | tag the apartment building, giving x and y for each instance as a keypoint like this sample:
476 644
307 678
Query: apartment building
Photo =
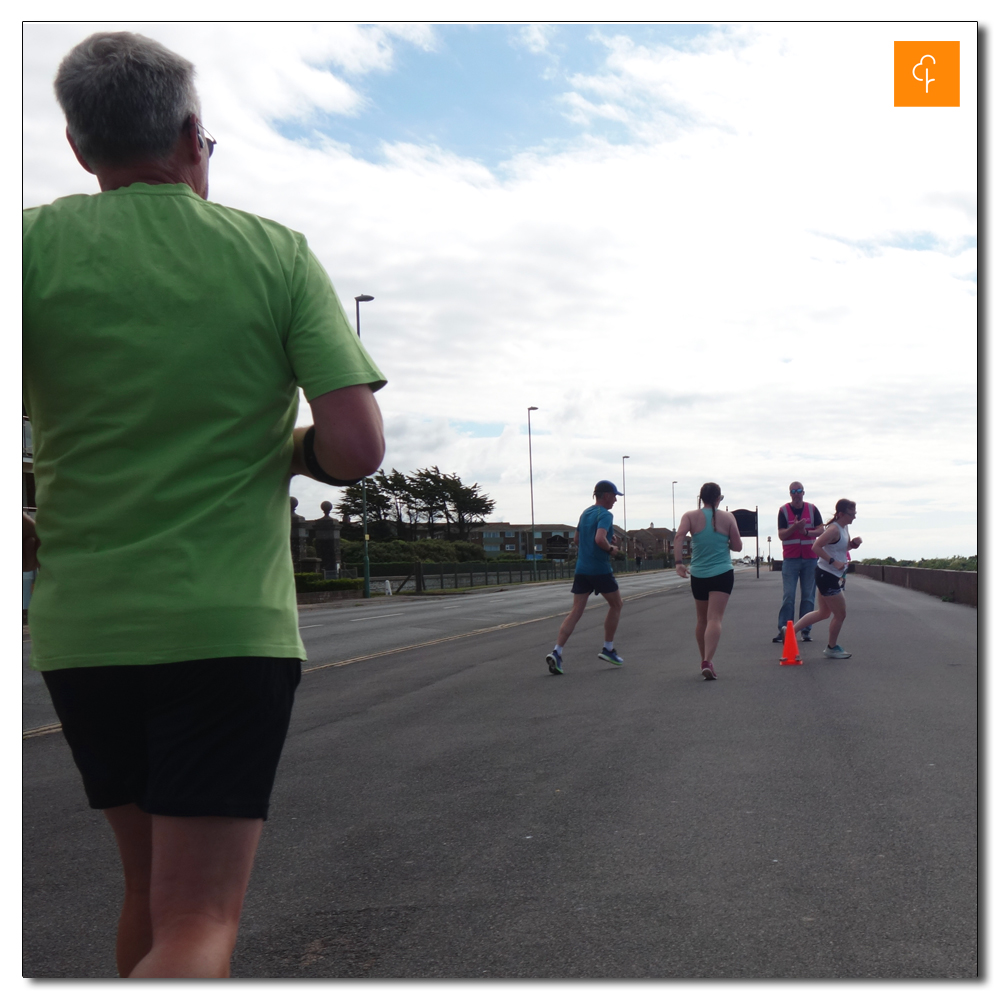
551 541
650 543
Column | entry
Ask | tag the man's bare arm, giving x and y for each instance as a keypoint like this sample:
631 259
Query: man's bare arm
601 540
349 442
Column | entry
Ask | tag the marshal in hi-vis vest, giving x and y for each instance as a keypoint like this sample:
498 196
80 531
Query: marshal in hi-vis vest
798 548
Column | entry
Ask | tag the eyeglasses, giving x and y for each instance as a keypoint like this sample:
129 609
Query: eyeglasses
209 138
201 131
790 491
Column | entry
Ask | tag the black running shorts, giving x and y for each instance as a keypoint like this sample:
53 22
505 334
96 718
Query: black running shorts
601 583
828 584
702 586
194 738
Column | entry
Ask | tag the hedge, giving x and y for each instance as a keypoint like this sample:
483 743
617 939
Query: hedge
307 583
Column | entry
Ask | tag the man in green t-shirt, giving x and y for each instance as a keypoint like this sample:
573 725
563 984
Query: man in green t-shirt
165 341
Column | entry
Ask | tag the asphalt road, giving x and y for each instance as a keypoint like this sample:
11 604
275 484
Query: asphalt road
454 810
344 630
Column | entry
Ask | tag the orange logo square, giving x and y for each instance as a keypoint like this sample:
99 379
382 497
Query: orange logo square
925 75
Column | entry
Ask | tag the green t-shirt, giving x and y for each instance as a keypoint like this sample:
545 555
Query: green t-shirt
164 340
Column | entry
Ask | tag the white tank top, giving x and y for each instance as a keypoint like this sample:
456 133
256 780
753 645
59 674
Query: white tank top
838 551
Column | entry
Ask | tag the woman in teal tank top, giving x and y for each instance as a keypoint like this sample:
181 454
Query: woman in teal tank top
714 534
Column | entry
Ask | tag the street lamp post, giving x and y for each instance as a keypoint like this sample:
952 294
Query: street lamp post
358 299
625 511
531 486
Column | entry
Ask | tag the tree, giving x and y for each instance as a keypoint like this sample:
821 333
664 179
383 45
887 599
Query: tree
398 503
430 489
403 504
468 505
352 505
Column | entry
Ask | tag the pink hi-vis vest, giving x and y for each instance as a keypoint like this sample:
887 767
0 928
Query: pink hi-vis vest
798 548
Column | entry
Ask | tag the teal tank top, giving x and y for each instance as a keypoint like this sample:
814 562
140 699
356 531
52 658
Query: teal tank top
710 550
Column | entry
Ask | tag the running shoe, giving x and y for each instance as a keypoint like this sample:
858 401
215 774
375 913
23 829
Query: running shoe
554 660
610 656
805 637
836 653
707 670
780 637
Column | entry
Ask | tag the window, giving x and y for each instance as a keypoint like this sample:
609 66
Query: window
510 534
511 548
491 534
538 548
492 548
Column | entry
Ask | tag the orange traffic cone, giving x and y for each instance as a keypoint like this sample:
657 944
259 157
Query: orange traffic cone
790 656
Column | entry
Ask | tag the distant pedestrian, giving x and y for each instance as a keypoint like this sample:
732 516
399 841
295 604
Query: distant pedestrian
638 563
798 524
595 542
714 534
831 549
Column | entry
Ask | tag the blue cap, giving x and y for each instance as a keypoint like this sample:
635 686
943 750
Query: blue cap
606 486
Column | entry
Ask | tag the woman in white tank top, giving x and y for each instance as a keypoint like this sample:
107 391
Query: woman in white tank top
831 566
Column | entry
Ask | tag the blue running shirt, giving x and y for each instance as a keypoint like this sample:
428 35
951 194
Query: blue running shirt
592 559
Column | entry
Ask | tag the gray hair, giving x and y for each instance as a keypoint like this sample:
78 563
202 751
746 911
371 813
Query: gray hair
125 97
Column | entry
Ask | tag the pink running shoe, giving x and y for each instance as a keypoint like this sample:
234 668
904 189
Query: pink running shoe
707 670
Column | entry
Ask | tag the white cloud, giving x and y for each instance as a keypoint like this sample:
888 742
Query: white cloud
535 37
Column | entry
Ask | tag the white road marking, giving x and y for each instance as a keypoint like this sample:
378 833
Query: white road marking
396 615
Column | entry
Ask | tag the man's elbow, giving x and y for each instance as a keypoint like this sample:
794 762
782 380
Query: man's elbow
370 460
357 456
349 440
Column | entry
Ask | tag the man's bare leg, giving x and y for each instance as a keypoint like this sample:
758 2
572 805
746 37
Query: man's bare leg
200 872
569 622
133 830
613 616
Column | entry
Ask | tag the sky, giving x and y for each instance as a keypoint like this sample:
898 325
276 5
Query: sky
717 249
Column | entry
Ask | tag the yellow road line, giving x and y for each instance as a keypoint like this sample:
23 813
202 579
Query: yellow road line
430 642
52 727
56 727
463 635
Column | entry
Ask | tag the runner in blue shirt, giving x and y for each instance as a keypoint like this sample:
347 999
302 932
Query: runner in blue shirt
595 542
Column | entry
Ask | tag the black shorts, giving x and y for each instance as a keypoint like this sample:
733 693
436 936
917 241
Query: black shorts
601 583
828 584
702 586
195 738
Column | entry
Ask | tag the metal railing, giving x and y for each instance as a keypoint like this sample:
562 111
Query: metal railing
419 578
